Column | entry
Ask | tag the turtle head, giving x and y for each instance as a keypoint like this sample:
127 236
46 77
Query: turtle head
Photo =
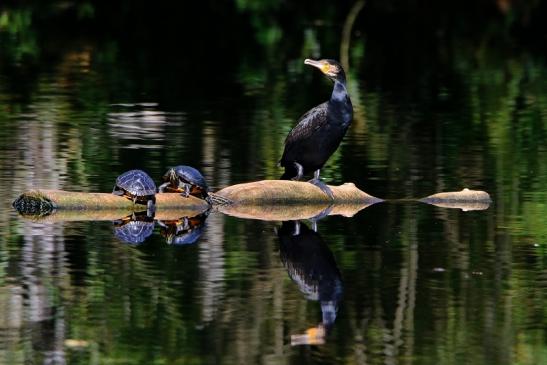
170 176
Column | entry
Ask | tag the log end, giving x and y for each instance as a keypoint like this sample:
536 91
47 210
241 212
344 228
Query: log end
34 203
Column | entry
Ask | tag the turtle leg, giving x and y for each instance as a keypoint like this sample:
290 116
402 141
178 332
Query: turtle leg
151 208
185 224
321 185
133 215
186 191
163 186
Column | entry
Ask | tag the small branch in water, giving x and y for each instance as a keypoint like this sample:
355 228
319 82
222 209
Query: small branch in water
346 33
465 200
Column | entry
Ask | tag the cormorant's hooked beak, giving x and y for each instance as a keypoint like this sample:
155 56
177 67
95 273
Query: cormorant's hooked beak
313 63
323 66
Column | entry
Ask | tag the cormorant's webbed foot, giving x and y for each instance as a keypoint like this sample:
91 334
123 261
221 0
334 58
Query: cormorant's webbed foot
324 213
324 187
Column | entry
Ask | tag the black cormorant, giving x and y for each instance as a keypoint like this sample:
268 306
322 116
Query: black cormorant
318 132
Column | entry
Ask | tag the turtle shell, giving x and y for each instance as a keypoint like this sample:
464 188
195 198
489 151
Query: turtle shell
134 232
186 237
191 176
136 183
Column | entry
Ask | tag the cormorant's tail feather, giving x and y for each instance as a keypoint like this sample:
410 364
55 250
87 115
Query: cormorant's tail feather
290 172
287 175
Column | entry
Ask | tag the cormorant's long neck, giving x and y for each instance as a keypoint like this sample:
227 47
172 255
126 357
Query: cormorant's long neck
339 91
340 103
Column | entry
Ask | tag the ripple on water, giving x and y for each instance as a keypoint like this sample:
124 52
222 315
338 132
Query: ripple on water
142 125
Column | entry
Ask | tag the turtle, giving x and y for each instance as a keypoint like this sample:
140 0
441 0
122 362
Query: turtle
184 231
133 229
137 186
186 237
186 180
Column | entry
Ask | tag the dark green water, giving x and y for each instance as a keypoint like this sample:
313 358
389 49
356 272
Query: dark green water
413 284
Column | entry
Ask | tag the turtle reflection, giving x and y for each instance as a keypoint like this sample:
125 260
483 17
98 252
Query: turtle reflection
311 265
183 231
135 228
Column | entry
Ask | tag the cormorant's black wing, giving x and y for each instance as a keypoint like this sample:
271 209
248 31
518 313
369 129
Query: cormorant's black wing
308 124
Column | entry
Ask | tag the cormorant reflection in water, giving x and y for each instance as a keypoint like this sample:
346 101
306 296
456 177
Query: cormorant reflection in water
311 265
183 231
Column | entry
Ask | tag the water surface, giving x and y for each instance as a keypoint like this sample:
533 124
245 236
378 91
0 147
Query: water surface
396 283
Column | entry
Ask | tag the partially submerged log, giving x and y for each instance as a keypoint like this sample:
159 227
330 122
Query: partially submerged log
59 205
282 200
267 200
465 200
277 200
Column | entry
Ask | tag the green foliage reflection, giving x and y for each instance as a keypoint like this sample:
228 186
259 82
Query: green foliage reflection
88 90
